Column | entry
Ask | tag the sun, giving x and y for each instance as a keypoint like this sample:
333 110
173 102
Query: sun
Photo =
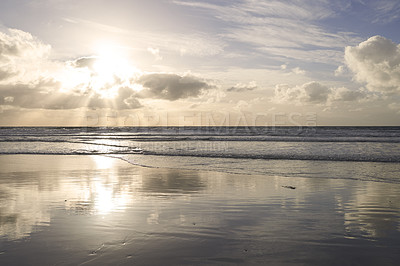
110 61
111 70
108 70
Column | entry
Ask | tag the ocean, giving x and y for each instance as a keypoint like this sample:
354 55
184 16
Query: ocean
361 153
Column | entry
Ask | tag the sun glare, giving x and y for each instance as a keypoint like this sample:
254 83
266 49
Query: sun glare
111 70
109 64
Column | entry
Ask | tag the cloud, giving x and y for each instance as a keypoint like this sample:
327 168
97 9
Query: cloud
346 95
17 43
171 86
29 79
40 97
190 44
395 107
240 87
6 73
298 71
375 62
312 92
340 71
316 93
155 52
386 11
84 62
308 11
19 53
284 29
241 105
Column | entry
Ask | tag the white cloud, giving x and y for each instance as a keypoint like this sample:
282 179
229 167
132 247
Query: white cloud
155 52
21 55
316 93
309 11
340 71
17 43
287 29
8 99
298 71
192 44
386 11
376 62
241 105
240 87
311 92
321 55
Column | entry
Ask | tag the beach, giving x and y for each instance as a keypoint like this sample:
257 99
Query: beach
99 210
178 132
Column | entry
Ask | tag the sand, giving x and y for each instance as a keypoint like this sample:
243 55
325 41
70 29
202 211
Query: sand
97 210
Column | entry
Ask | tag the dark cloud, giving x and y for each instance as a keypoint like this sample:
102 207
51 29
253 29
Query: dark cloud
82 62
314 92
39 96
347 95
4 74
171 86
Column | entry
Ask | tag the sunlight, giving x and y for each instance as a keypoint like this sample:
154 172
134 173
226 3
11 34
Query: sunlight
112 61
109 70
106 199
112 70
103 162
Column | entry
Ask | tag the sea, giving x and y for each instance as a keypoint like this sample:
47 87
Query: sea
360 153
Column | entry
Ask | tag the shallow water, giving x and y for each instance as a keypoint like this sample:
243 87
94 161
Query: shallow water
97 210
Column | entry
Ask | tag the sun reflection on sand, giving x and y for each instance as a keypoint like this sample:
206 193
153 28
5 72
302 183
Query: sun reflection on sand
103 194
105 201
94 189
103 162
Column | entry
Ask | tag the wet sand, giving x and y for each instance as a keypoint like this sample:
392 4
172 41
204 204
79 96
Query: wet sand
97 210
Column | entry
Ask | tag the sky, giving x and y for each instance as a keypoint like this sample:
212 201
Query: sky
210 63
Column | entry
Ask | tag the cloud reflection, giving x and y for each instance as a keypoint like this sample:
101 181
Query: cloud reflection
373 213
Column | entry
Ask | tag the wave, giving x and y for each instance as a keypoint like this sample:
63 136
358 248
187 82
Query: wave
307 157
73 152
88 140
363 144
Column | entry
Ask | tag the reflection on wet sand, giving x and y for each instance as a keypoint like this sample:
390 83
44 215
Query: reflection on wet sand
171 181
374 211
107 185
21 206
104 210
